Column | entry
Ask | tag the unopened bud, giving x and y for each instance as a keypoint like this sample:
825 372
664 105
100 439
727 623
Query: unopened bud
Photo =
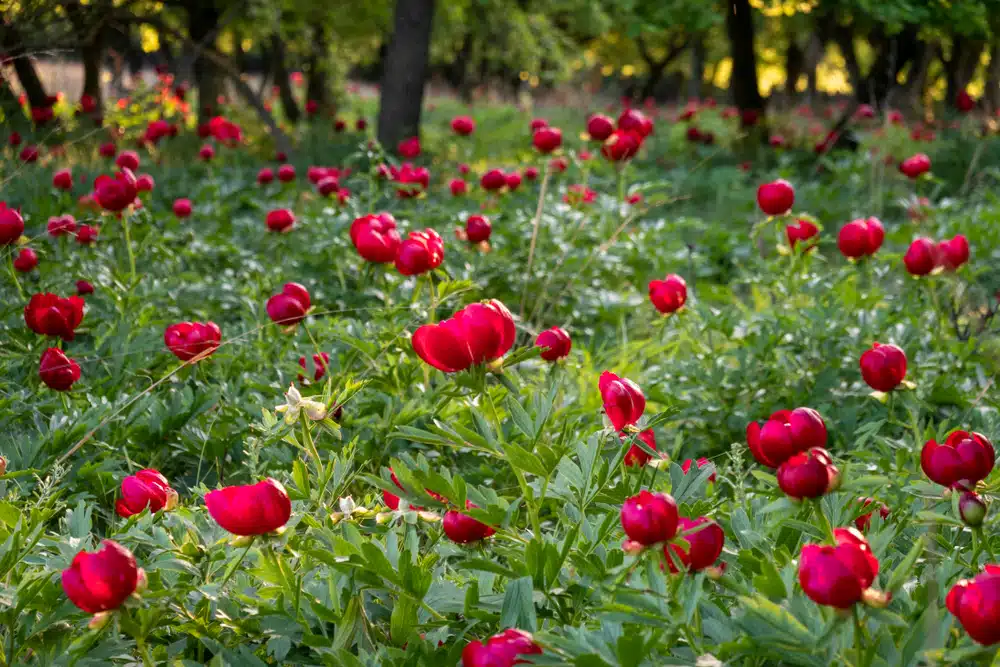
241 541
171 500
383 517
99 620
631 547
716 572
972 509
3 465
877 599
141 583
430 517
336 517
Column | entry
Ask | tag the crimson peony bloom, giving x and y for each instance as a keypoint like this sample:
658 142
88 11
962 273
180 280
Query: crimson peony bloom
636 455
265 176
103 580
146 488
328 185
864 111
29 153
422 251
360 125
478 228
312 106
860 238
14 139
375 237
623 401
513 181
558 165
83 287
410 181
784 434
187 340
463 125
915 165
704 545
702 462
863 521
26 260
963 459
392 500
286 173
953 253
127 160
649 518
107 149
808 474
883 367
61 225
63 179
339 125
280 220
921 257
531 173
87 234
409 148
633 120
547 139
622 145
144 183
537 124
462 528
776 197
801 230
11 224
976 605
206 153
225 131
600 127
252 509
492 180
289 307
116 194
555 344
500 650
87 103
838 576
476 334
964 101
321 362
58 371
51 315
777 141
458 187
182 207
668 295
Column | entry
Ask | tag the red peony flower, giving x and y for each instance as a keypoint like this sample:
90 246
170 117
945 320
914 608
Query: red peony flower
280 220
103 580
838 576
58 371
784 434
289 307
146 488
704 545
476 334
187 340
883 367
463 529
623 401
668 295
963 459
555 344
252 509
976 605
51 315
422 251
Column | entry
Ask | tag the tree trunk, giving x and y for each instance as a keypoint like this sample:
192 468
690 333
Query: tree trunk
203 24
795 65
894 54
814 54
318 83
843 36
697 76
288 103
911 95
991 94
961 67
402 95
90 54
12 43
743 82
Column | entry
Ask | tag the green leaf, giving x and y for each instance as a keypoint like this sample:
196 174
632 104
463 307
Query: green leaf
521 418
518 610
905 567
524 460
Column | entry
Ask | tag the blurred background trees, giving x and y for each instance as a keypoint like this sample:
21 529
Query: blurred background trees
291 59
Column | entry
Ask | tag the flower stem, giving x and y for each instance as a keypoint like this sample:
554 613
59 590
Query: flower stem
128 248
13 276
235 565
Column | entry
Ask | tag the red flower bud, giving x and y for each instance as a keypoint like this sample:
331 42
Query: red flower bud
861 237
206 153
103 580
547 139
280 220
971 508
776 197
883 367
863 521
83 287
462 528
182 208
702 462
11 225
51 315
375 237
963 458
115 194
253 509
622 145
669 294
649 518
600 127
290 306
61 225
87 234
809 474
784 434
144 183
531 173
107 149
954 253
286 173
633 120
915 166
513 181
636 455
186 340
478 228
555 342
421 252
704 545
976 605
494 179
623 400
327 186
409 148
537 124
146 488
921 257
500 650
62 179
26 260
58 371
127 160
837 576
463 125
265 176
321 362
458 187
476 334
801 230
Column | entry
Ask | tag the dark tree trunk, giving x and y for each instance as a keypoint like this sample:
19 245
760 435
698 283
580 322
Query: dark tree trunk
23 66
795 65
893 55
911 94
961 67
203 25
288 103
91 54
814 54
843 36
405 72
991 94
318 83
743 82
697 67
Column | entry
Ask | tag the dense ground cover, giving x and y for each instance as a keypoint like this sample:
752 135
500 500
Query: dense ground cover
763 327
